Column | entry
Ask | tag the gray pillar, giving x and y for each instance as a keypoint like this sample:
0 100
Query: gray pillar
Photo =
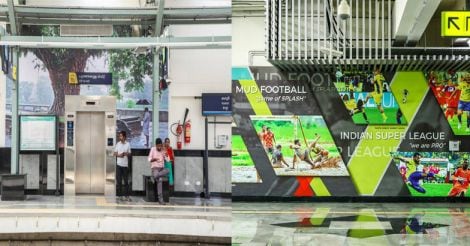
156 96
3 96
14 116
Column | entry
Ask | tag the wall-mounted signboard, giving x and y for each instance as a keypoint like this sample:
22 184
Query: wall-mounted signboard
216 104
87 78
38 132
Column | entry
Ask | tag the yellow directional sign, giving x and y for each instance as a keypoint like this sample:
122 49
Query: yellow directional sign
455 24
73 78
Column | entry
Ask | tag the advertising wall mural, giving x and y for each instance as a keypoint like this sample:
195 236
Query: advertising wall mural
368 97
44 82
452 92
299 145
377 156
434 173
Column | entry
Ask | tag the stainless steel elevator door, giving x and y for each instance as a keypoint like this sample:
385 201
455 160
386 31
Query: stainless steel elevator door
90 142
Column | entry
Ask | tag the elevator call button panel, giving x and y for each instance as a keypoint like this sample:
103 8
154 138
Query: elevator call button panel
70 136
110 142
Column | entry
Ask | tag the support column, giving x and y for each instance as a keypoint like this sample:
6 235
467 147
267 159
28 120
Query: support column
156 96
14 116
3 96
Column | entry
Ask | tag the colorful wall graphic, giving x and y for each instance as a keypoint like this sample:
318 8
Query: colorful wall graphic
373 154
434 173
368 97
452 92
299 145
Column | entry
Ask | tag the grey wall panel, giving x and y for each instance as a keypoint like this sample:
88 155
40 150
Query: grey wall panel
140 166
29 165
188 174
220 175
51 172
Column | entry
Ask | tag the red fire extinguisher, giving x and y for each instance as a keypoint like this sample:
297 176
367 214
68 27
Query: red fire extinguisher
179 136
187 132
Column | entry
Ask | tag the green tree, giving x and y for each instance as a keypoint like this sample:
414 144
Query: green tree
131 67
123 64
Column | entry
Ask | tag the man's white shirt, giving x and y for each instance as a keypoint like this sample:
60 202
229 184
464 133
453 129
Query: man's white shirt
121 148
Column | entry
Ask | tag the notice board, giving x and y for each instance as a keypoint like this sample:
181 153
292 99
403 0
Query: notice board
38 132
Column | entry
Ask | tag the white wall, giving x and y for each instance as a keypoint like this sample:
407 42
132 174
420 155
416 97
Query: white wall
197 71
248 35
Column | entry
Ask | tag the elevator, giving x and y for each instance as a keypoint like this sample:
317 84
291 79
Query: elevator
89 169
90 136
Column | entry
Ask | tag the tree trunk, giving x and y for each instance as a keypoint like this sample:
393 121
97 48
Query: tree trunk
60 79
61 87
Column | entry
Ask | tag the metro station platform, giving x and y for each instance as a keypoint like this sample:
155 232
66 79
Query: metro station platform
351 224
96 220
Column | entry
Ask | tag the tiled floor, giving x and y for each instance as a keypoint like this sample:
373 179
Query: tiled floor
351 224
96 218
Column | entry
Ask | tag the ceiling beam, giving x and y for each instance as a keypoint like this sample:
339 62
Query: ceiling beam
27 10
411 20
123 21
79 21
159 18
216 42
131 12
12 18
33 15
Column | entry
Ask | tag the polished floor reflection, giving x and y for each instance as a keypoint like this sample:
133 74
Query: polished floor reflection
351 224
107 220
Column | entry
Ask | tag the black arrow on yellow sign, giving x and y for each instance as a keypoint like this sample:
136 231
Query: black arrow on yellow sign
451 20
468 19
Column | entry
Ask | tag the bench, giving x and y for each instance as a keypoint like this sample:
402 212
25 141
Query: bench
150 189
13 187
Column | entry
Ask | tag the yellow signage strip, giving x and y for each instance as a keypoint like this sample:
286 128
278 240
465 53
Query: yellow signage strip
455 23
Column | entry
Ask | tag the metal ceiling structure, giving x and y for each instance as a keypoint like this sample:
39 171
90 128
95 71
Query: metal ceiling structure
158 17
310 36
116 42
430 62
37 15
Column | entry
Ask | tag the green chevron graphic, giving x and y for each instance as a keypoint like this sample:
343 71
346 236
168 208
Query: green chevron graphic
367 215
255 98
319 216
372 155
319 187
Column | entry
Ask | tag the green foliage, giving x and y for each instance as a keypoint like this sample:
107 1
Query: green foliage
130 104
123 64
130 67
